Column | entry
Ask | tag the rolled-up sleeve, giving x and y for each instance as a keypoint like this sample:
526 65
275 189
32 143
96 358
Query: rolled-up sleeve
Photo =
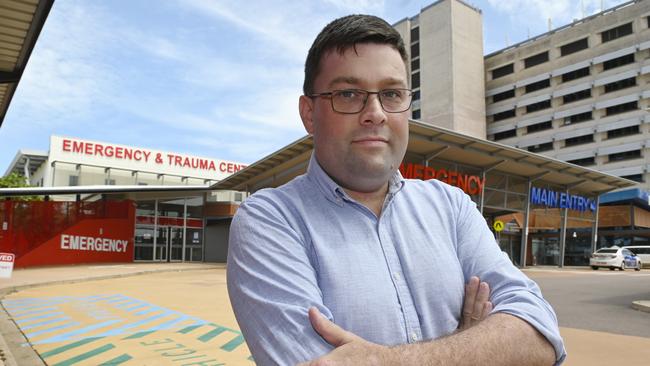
271 284
512 291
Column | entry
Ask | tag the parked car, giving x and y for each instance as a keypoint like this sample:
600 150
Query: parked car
642 252
615 257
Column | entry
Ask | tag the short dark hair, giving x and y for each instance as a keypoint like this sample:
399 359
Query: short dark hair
344 33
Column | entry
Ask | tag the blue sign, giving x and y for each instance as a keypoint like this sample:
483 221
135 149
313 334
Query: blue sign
553 199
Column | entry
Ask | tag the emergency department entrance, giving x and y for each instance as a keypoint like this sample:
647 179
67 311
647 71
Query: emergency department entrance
169 230
558 230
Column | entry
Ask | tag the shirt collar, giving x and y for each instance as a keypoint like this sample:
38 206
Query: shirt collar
335 192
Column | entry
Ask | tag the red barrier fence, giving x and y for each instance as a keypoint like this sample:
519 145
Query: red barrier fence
53 233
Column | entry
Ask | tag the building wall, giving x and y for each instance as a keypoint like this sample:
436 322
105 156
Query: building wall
608 141
451 93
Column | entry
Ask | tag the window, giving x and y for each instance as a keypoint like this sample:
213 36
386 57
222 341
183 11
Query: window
625 131
239 197
109 182
415 80
619 61
73 180
503 96
541 147
503 71
415 34
535 60
416 114
636 178
576 74
539 127
505 134
621 84
579 140
583 94
503 115
580 117
538 106
583 162
538 85
415 50
415 64
621 108
574 47
627 155
617 32
416 95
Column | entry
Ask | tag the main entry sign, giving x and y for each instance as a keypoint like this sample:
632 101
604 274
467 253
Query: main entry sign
553 199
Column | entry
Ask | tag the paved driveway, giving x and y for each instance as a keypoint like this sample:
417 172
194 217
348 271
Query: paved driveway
173 318
184 318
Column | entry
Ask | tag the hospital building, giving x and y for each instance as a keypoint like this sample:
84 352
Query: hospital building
549 138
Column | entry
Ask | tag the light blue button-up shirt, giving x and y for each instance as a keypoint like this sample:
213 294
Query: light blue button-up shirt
394 279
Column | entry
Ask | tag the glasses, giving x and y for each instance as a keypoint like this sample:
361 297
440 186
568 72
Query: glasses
351 101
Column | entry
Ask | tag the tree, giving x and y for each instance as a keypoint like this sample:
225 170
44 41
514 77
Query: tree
15 180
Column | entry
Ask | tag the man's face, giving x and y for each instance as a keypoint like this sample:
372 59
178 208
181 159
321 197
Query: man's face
359 151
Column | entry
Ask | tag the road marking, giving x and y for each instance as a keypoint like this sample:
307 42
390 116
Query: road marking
111 329
117 360
67 347
85 356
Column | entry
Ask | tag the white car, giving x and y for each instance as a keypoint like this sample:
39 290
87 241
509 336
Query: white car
613 258
642 252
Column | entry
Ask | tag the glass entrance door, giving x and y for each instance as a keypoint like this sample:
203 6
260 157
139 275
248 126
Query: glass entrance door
169 241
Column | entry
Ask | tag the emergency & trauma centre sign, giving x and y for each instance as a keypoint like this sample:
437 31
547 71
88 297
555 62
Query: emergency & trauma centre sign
77 151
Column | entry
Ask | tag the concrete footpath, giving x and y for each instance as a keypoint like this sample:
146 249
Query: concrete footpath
13 351
584 347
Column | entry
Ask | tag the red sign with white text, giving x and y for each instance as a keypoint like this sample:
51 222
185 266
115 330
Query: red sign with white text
55 233
6 264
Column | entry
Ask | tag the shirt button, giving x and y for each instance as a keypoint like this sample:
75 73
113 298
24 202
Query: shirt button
396 275
414 337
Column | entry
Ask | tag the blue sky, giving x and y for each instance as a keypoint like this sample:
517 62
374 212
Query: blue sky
203 77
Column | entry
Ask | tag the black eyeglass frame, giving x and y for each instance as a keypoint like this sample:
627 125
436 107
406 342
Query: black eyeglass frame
365 101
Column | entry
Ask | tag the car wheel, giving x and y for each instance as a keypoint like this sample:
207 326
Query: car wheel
595 268
638 266
612 268
622 268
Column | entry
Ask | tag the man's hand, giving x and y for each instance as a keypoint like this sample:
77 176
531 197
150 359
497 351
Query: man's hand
476 306
350 348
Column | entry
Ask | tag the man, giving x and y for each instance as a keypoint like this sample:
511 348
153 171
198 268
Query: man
383 259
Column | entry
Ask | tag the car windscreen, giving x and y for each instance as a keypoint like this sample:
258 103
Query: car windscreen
609 251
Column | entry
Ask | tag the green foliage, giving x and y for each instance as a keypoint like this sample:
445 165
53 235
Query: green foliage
15 180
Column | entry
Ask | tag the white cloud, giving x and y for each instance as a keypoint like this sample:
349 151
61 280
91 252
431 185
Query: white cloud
65 77
359 6
275 22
